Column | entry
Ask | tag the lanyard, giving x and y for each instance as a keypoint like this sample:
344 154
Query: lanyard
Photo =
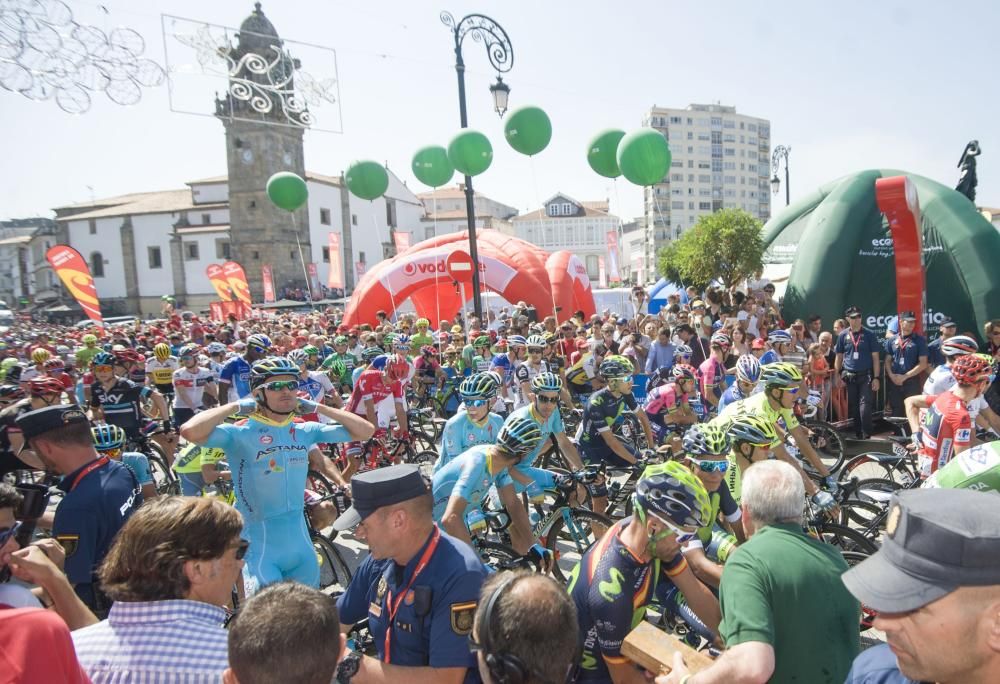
904 342
87 471
857 340
393 608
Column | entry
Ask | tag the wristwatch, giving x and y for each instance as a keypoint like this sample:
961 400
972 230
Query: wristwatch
348 667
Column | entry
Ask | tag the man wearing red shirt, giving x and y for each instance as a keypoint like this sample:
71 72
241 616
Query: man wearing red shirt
384 379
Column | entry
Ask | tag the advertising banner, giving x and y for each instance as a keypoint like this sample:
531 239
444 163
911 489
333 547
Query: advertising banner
335 278
218 280
602 273
314 288
268 278
237 279
402 241
359 268
614 275
75 276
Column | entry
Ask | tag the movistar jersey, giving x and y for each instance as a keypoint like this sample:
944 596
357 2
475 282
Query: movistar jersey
603 411
975 468
611 589
461 432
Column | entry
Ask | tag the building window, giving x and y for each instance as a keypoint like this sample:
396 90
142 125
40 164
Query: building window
252 204
324 216
704 178
592 266
729 180
675 119
390 212
256 255
730 152
326 255
549 239
677 205
553 210
730 124
96 265
155 258
222 249
206 219
428 232
190 251
677 177
567 209
361 258
354 219
92 225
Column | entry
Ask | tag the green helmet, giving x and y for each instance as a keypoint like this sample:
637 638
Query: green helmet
746 428
705 440
782 375
673 493
615 366
340 339
334 366
369 354
310 350
481 341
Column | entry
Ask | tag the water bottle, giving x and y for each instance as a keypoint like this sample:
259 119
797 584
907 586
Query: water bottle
536 494
475 521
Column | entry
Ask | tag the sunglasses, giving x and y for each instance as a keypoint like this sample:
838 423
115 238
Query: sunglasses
475 403
712 466
103 369
5 535
278 385
682 536
791 390
542 399
534 350
241 549
627 379
113 453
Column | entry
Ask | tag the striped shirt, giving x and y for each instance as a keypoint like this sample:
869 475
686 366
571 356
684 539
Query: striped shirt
148 642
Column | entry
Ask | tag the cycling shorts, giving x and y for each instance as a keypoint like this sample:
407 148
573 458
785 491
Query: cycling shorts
596 453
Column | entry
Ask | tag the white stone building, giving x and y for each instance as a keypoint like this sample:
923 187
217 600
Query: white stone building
446 212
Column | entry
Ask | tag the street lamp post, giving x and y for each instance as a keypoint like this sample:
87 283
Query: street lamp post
780 152
501 56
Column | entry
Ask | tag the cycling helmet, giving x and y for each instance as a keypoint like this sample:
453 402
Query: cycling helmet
747 428
748 369
478 386
683 350
705 440
215 348
101 359
519 435
397 368
613 367
549 337
128 356
970 369
401 342
14 373
189 349
517 341
11 392
297 356
497 378
672 493
369 354
779 337
721 340
422 323
107 437
89 340
546 382
428 349
683 371
261 343
271 367
339 340
55 363
781 375
43 384
334 366
40 355
481 341
310 350
8 362
161 351
959 345
536 341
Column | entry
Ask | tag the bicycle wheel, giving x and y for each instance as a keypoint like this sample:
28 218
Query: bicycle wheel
333 571
875 465
317 482
876 490
867 614
425 460
845 538
163 477
865 516
422 441
495 555
569 537
827 442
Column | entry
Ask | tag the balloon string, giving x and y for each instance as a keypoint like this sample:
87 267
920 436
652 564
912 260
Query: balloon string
437 289
620 232
305 272
388 281
544 217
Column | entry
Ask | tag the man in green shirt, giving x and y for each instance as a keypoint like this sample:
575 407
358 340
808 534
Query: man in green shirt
786 616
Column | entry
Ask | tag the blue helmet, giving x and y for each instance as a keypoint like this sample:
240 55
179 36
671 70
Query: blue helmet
107 437
748 368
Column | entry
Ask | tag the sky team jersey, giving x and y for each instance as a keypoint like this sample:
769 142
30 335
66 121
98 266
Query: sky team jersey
946 427
161 373
461 432
611 589
467 476
976 468
711 378
121 403
236 371
663 401
758 405
269 462
190 386
370 384
603 410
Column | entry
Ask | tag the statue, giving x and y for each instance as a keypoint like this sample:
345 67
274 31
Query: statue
967 179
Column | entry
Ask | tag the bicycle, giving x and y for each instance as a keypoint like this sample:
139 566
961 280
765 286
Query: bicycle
159 465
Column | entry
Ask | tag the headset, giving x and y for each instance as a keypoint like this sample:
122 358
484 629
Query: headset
506 668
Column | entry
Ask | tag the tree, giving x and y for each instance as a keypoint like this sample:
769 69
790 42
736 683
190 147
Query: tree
724 246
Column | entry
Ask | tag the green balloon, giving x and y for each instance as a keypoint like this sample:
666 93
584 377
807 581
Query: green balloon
644 156
431 166
470 152
528 130
287 190
367 179
602 152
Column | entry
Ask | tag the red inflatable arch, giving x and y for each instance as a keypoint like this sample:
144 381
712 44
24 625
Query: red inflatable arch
515 269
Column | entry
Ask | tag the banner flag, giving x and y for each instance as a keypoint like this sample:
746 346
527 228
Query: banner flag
360 267
614 275
268 278
237 280
75 276
335 278
314 289
402 241
602 274
218 280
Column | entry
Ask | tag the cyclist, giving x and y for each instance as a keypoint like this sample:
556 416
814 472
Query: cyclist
268 455
315 385
427 371
712 371
667 406
604 410
160 369
531 367
779 341
751 437
476 425
191 382
44 391
476 356
216 354
941 380
196 468
118 400
85 353
234 378
109 440
946 428
619 576
781 385
506 363
459 487
975 468
56 368
421 337
342 354
312 356
378 393
582 377
747 376
368 356
336 371
130 364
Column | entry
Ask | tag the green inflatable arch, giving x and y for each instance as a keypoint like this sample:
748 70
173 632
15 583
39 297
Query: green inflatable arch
840 248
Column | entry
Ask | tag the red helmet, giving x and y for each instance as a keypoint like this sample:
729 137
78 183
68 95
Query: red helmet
55 363
396 368
43 384
428 349
683 371
128 356
970 369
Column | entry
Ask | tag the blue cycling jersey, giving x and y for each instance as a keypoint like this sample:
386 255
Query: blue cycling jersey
770 356
461 432
236 371
732 393
467 476
552 425
139 465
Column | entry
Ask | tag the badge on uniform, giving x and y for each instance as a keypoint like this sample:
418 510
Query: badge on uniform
462 615
382 587
375 609
69 542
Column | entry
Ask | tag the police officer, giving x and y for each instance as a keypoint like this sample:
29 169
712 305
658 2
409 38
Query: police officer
907 360
948 328
418 587
857 363
100 494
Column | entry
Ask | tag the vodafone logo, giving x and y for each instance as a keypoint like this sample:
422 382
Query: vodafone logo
580 269
414 268
409 269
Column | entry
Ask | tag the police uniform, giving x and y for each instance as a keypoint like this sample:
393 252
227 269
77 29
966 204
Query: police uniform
99 497
857 373
904 353
420 614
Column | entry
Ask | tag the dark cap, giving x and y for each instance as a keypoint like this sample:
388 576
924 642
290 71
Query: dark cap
852 311
907 316
35 423
947 322
378 488
937 540
622 321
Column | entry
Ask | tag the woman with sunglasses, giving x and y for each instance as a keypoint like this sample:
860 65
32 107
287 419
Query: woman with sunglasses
476 424
618 576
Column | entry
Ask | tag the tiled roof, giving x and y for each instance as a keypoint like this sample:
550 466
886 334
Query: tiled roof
162 202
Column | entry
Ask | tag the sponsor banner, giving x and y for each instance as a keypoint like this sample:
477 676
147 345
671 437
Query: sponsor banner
335 278
75 276
314 289
430 264
268 278
218 280
219 311
237 280
402 241
897 198
359 268
614 275
602 273
578 271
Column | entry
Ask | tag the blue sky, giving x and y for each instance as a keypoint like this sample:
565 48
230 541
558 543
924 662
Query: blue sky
848 85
